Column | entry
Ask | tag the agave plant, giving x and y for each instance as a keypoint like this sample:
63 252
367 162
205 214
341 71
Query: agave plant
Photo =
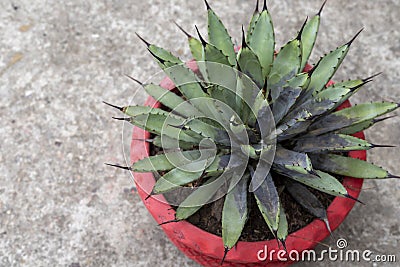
278 125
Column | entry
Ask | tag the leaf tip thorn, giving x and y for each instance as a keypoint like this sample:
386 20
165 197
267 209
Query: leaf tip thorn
142 39
114 106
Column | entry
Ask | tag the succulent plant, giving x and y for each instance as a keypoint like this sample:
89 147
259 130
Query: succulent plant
241 120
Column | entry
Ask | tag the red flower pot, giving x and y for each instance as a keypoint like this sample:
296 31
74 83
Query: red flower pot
207 249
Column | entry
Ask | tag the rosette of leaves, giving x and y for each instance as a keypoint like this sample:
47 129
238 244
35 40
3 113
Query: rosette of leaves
310 138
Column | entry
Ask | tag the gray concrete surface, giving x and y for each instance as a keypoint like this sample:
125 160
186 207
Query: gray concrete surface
60 206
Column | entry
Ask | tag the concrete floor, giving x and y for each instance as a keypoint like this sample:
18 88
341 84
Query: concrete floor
60 206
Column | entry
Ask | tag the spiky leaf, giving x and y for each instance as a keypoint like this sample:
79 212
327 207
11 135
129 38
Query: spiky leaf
308 38
308 200
331 142
175 179
198 198
196 48
235 212
287 98
166 143
250 65
283 227
285 66
268 202
324 182
219 36
351 116
171 100
165 162
348 166
293 161
261 39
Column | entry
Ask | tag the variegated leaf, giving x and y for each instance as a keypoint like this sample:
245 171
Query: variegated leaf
324 182
309 201
290 92
235 212
267 199
331 142
285 66
351 116
293 161
348 166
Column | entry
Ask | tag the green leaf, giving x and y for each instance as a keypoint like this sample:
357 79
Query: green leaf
235 212
208 131
186 81
254 18
163 57
325 183
261 39
249 99
264 120
250 65
219 36
333 93
265 156
333 97
133 111
196 48
339 94
199 197
348 166
349 84
308 37
212 67
195 45
175 179
285 66
166 143
351 116
188 84
268 202
358 127
223 94
163 162
326 68
308 201
213 54
283 228
355 128
171 100
239 133
159 122
331 142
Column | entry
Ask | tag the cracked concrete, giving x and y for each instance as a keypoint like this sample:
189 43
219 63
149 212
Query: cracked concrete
60 206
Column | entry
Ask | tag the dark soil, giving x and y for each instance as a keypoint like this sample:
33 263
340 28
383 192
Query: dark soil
209 217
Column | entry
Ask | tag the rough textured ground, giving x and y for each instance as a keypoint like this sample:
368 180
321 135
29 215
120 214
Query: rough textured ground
60 206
